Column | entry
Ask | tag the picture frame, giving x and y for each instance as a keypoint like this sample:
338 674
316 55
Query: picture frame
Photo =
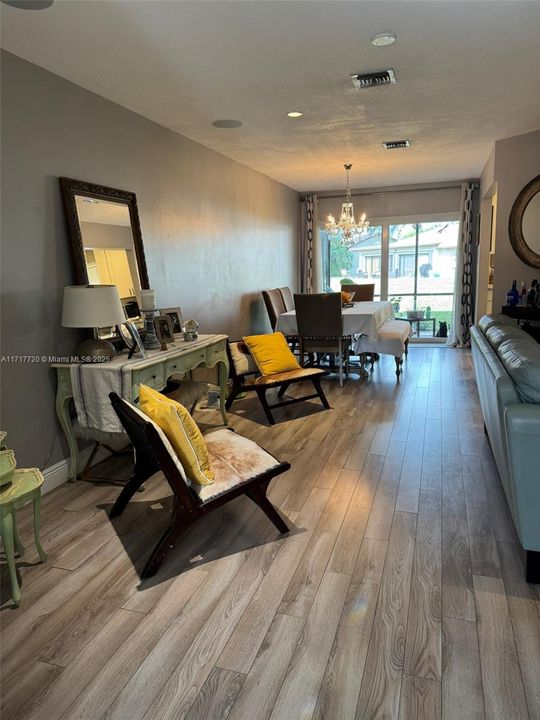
130 335
175 314
164 329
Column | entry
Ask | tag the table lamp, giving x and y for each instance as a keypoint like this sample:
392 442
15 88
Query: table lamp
93 306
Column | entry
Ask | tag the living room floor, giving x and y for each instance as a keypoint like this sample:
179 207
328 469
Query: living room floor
398 593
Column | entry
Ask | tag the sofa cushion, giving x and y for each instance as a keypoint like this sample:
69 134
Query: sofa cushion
521 360
487 321
497 333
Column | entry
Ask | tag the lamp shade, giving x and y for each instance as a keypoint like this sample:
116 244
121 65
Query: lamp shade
92 306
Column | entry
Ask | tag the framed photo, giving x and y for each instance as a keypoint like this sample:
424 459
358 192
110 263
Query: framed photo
164 329
130 335
176 318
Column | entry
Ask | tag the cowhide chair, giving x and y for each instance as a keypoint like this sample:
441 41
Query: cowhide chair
240 467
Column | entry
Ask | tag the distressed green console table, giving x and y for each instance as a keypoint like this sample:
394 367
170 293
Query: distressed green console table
95 381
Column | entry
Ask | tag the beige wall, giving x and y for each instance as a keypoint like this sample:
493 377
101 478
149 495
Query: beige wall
215 232
516 161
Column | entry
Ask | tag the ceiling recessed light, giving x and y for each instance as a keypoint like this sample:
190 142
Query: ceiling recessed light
383 39
226 123
295 114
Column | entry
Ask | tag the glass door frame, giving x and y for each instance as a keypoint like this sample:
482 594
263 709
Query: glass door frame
384 223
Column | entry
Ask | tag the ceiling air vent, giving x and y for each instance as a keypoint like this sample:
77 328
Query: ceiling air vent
373 79
396 144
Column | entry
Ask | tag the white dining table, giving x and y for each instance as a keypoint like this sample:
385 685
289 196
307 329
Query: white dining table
363 318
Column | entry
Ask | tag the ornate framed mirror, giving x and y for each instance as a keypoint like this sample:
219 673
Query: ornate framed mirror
105 235
524 224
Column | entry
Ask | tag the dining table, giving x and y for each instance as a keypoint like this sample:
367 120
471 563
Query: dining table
361 318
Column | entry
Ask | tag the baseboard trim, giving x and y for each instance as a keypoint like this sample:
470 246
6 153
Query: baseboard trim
57 474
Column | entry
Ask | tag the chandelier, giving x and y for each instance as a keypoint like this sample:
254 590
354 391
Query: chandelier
350 230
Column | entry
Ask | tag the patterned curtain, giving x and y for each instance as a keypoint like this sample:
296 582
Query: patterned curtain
463 290
310 247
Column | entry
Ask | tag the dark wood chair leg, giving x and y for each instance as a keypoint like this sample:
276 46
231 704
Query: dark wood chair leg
180 524
318 389
258 495
235 390
139 477
406 347
261 393
532 573
399 363
283 389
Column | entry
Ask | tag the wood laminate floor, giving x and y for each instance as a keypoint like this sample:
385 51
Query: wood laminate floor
399 592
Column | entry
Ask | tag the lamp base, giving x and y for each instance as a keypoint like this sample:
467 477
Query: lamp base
95 350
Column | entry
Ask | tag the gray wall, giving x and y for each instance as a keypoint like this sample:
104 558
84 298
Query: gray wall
517 161
215 232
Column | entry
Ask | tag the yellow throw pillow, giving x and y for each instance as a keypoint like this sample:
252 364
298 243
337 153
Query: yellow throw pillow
271 353
181 431
346 297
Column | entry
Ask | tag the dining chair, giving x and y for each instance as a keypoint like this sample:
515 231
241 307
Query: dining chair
240 467
287 297
274 305
320 327
362 293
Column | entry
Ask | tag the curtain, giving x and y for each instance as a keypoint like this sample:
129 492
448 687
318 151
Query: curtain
459 335
310 247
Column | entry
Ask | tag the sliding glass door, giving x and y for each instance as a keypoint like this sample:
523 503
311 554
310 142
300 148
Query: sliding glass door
412 263
360 263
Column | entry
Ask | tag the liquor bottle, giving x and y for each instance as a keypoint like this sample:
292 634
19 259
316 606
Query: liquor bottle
512 296
532 293
523 294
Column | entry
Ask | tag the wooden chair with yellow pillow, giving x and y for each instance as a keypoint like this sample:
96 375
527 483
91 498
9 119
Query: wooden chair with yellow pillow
203 471
262 362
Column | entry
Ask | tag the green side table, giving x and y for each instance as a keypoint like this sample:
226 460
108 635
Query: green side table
17 488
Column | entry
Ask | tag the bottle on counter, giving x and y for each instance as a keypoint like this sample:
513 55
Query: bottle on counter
523 294
531 295
512 296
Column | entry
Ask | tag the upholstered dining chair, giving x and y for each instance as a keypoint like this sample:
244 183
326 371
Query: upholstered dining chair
287 297
274 305
239 465
362 292
320 328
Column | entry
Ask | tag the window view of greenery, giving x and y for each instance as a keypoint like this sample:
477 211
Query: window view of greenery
421 269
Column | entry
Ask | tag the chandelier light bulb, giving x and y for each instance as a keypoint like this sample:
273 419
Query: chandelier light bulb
347 228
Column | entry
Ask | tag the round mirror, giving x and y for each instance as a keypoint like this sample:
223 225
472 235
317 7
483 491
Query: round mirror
524 224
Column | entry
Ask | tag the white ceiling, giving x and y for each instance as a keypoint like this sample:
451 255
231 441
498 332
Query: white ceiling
468 74
102 211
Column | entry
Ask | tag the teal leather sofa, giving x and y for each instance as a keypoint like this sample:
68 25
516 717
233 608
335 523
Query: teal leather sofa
507 368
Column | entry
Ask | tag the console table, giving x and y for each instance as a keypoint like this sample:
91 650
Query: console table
90 383
521 312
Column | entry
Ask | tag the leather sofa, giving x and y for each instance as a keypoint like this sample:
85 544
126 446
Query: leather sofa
507 368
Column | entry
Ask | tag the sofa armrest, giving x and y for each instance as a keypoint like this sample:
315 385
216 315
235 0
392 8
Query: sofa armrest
524 419
522 422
